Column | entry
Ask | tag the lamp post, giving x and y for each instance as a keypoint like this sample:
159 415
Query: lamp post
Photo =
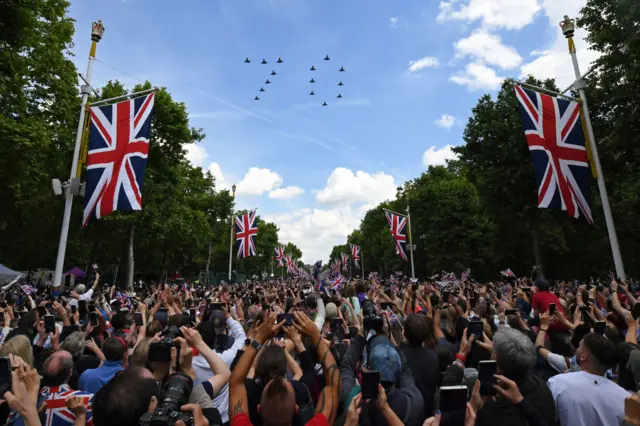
73 186
568 27
233 195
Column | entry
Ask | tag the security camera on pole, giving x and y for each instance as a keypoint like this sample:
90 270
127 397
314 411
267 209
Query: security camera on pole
73 186
568 29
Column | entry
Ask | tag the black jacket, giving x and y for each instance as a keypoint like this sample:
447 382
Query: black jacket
426 374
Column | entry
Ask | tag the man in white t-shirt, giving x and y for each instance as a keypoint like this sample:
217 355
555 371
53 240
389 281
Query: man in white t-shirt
587 397
81 294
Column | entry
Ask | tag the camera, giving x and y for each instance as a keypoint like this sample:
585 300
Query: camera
174 394
372 321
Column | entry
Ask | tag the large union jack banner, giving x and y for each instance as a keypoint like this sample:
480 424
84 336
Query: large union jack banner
280 256
117 156
398 225
556 142
355 254
246 233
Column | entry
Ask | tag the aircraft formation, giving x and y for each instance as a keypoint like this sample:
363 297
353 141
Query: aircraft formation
311 81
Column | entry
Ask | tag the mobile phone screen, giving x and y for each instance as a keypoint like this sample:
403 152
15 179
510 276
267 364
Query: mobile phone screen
452 404
192 312
5 375
74 309
386 306
486 371
49 324
552 309
599 327
93 319
82 308
336 324
369 385
138 318
636 311
475 327
285 317
159 352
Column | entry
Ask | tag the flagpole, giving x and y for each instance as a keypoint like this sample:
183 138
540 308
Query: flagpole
568 29
350 262
413 271
97 30
233 190
362 262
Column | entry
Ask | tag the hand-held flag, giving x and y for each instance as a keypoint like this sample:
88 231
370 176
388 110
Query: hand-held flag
556 141
246 233
117 156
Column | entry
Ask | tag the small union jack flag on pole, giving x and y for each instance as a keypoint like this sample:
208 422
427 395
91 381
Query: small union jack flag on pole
117 156
355 254
280 256
398 226
557 144
246 233
508 273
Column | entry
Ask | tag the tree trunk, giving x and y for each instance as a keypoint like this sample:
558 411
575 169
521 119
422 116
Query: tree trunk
206 269
130 262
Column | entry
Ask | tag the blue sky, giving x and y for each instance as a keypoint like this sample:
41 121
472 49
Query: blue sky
414 70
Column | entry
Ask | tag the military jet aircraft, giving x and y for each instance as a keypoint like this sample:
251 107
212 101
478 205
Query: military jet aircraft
312 68
340 84
264 61
273 73
262 89
267 82
324 104
339 96
256 98
326 58
279 60
311 93
312 80
247 61
341 69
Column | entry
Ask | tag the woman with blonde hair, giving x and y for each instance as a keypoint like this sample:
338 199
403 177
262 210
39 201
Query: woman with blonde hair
20 346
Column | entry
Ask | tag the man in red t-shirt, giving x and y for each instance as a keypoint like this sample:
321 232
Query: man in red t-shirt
277 404
542 299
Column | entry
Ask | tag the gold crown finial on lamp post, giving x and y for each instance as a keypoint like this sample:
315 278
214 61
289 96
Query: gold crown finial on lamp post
568 26
97 29
233 189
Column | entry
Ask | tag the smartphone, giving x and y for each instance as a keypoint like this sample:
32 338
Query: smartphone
74 309
552 309
599 327
285 317
475 329
82 308
42 311
49 324
369 385
636 311
159 352
386 306
335 325
445 296
452 404
93 319
5 375
486 372
192 312
215 306
138 318
511 312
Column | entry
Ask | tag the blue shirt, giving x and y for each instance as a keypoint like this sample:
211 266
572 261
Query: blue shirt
94 379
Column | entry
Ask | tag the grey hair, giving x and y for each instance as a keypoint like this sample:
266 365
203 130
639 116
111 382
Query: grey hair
80 289
74 343
514 351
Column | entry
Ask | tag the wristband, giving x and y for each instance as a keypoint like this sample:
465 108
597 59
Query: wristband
461 357
539 347
544 329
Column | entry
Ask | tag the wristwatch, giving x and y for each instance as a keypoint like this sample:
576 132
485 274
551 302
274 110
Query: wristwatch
254 343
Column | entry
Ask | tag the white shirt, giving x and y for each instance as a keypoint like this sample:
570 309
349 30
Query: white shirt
84 296
584 399
203 372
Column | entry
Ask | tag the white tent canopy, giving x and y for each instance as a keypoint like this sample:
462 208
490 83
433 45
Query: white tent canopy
7 274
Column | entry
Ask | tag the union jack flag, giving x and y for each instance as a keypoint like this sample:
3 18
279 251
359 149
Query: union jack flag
291 264
556 141
355 254
57 414
246 232
398 225
280 256
345 261
28 289
508 273
117 156
337 283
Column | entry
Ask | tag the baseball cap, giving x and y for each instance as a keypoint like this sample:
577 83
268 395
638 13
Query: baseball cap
219 319
385 359
331 311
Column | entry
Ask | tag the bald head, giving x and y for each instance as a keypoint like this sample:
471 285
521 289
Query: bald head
278 403
57 368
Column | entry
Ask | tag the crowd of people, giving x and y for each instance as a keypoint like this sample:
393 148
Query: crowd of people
282 352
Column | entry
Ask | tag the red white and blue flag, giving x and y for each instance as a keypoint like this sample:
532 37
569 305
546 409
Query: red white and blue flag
291 264
246 233
355 254
337 283
280 256
398 226
57 413
28 289
556 142
508 273
345 261
117 155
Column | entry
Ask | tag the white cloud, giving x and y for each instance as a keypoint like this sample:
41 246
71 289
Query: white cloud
286 192
438 156
477 76
346 187
488 48
553 61
426 62
196 154
446 121
216 171
509 14
394 21
257 181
